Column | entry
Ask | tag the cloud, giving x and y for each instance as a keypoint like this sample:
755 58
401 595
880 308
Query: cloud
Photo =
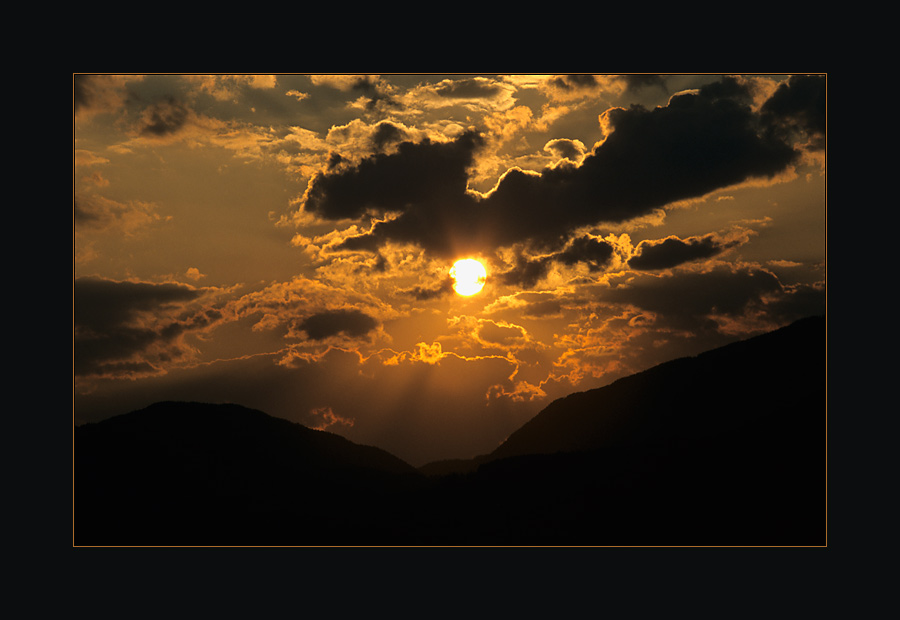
487 334
596 253
229 87
528 304
85 157
588 250
370 91
344 82
469 88
292 306
164 118
352 323
168 119
133 328
637 81
798 106
579 89
672 251
527 272
424 293
564 148
358 139
691 300
506 335
426 182
387 133
99 304
296 94
97 94
474 93
702 141
92 212
194 274
325 417
575 81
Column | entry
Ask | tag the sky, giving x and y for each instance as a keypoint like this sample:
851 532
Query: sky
284 242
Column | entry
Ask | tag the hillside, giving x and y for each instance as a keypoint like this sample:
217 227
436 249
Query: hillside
776 379
194 473
725 448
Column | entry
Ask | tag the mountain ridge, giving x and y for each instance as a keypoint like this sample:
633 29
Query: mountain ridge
757 365
810 329
726 447
201 473
149 418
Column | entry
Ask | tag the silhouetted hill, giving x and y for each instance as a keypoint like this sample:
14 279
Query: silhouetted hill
767 383
725 448
193 473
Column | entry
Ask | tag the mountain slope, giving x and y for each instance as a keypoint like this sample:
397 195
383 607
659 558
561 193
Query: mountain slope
726 448
193 473
770 379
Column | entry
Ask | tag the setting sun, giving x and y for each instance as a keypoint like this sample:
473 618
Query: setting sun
468 276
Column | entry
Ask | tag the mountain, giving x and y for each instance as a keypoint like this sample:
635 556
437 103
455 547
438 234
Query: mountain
725 448
773 383
194 473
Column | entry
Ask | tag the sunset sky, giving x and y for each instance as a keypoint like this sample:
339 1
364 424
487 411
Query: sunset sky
284 242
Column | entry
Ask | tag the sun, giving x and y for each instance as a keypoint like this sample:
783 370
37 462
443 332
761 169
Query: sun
468 276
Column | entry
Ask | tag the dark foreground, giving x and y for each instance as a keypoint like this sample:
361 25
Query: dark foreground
726 448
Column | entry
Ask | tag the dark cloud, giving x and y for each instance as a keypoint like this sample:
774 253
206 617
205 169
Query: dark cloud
335 159
424 293
672 252
695 145
387 133
83 213
492 333
381 264
702 141
527 272
353 323
81 91
372 90
542 307
799 105
117 322
418 176
637 81
595 253
100 304
687 300
572 150
469 88
164 118
575 81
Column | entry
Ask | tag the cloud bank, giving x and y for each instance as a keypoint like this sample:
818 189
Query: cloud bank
702 141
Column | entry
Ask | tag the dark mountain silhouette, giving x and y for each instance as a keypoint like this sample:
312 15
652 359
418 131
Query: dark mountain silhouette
762 385
194 473
725 448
